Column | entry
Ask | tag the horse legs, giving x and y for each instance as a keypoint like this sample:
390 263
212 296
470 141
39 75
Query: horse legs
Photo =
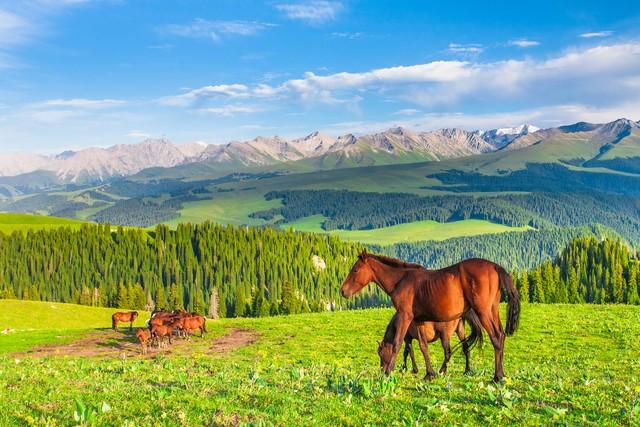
414 365
131 326
402 325
496 334
446 346
465 346
407 349
422 340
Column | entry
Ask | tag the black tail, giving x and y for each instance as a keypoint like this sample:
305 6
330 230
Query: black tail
513 300
475 338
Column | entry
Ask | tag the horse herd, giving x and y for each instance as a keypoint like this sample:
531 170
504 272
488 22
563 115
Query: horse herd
432 304
162 326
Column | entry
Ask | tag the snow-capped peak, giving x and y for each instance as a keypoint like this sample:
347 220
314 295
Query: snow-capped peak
518 130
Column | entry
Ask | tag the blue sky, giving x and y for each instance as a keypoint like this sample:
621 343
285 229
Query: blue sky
77 73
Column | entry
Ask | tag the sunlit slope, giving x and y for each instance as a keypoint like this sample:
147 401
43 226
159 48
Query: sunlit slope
10 222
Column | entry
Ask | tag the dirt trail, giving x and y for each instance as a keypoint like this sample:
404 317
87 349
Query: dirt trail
124 344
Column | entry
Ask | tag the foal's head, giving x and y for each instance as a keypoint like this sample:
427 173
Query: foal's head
385 351
360 276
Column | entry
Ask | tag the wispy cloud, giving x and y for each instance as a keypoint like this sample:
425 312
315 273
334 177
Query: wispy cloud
312 12
592 76
347 35
231 110
523 43
596 34
216 30
406 112
58 110
14 29
138 134
465 48
79 103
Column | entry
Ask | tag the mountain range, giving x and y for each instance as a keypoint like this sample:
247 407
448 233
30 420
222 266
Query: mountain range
320 150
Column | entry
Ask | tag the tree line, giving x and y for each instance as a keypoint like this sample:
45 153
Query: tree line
588 270
243 271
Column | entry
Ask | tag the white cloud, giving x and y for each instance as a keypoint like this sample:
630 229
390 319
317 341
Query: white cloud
312 12
465 48
13 28
406 112
596 34
138 134
347 35
215 30
599 77
231 110
79 103
523 43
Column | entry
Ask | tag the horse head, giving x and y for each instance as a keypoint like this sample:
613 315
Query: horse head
385 352
360 276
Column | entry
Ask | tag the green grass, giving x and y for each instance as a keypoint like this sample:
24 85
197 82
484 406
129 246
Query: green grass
34 322
10 222
410 232
567 365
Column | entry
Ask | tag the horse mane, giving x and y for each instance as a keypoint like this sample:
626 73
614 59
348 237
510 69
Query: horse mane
393 262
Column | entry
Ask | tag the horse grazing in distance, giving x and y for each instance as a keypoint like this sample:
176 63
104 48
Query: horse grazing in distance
159 332
129 316
144 336
425 332
469 289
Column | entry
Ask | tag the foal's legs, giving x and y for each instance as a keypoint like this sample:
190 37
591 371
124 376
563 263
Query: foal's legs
414 365
425 352
465 346
407 349
446 346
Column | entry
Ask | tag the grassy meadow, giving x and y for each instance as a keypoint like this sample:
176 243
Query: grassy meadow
10 222
408 232
567 365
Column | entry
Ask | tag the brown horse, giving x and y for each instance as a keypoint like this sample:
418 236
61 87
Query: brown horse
192 322
129 316
144 336
469 289
425 332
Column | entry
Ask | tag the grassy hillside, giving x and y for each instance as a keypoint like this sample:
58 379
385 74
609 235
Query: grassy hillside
410 232
566 365
10 222
33 322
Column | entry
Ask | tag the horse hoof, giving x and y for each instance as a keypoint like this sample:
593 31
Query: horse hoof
429 377
497 379
415 372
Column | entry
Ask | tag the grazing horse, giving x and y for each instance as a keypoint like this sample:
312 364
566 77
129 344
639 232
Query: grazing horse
159 332
469 289
425 332
144 336
129 316
192 322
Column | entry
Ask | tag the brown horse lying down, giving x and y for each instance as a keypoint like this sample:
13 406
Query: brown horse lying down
425 332
470 289
144 336
129 316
